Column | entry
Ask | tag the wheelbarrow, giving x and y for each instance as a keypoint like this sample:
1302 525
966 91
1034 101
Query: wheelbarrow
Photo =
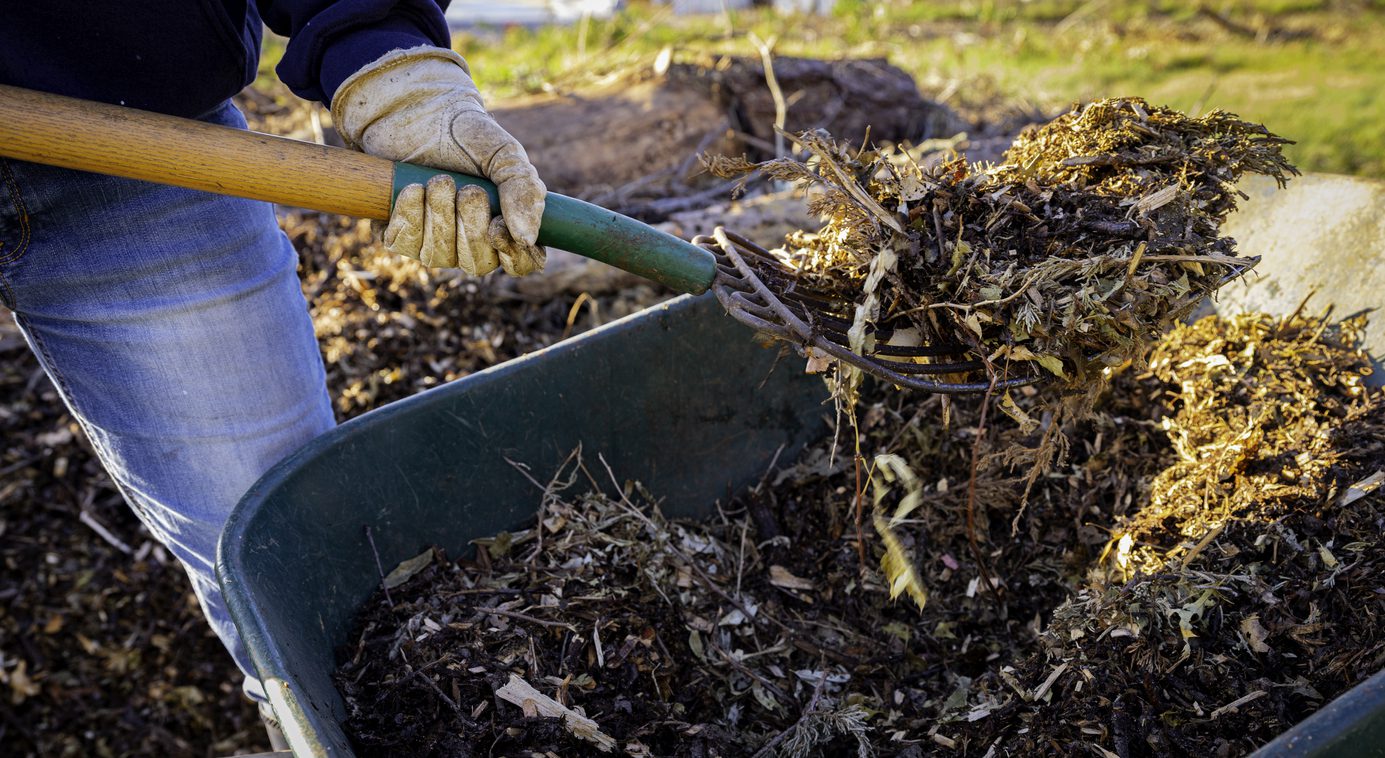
660 396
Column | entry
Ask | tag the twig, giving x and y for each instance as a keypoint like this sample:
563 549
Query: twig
96 526
1232 26
422 673
781 109
19 464
860 513
971 489
524 471
378 568
530 619
665 206
740 556
1234 705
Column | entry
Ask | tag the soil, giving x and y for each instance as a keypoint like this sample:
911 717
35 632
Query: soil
1198 574
629 140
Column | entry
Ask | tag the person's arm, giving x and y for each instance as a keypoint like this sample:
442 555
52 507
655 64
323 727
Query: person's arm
329 40
398 91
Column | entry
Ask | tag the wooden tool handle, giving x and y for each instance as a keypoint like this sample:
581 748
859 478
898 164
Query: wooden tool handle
109 139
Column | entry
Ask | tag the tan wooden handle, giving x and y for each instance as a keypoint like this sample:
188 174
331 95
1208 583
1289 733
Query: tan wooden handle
108 139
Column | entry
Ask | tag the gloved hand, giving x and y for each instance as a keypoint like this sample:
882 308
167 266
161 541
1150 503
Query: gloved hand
420 106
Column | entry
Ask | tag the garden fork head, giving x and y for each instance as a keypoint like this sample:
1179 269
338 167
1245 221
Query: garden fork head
762 292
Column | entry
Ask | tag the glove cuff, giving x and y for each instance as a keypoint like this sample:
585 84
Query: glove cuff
373 91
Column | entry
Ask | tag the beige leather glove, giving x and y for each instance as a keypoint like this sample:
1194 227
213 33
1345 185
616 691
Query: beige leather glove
420 106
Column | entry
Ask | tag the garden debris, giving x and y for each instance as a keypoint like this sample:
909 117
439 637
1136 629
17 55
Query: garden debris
1098 232
103 649
1168 590
1251 592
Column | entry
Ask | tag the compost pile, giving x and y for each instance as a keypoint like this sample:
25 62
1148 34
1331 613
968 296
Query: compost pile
1247 587
1096 234
1202 572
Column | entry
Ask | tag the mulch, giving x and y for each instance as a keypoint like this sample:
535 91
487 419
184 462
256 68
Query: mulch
1199 573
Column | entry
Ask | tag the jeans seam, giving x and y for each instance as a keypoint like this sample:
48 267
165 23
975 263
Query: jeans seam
25 233
70 400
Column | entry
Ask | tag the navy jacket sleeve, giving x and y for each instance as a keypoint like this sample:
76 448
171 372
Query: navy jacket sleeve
329 40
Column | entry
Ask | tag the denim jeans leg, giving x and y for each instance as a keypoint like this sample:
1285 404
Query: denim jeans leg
175 329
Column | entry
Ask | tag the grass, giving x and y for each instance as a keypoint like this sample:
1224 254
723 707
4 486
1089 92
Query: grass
1314 73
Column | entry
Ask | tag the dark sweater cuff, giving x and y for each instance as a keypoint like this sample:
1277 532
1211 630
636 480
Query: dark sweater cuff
352 51
340 41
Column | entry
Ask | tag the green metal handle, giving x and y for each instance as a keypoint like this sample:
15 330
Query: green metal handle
594 232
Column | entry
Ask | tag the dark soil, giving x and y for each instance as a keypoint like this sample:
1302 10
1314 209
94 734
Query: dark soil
104 650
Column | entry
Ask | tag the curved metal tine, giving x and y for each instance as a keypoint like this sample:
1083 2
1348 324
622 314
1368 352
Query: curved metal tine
745 296
919 351
837 330
755 305
819 311
801 303
889 374
909 367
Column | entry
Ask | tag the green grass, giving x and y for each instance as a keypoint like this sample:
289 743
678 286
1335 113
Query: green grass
1317 78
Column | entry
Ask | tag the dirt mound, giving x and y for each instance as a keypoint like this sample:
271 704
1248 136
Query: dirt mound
633 137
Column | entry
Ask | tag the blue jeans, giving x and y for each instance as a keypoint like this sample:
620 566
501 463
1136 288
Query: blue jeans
174 327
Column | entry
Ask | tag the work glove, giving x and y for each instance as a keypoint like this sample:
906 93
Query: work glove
421 106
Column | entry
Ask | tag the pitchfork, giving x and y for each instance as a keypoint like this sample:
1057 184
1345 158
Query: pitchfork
755 287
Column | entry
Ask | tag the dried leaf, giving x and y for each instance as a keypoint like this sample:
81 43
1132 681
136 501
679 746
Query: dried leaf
407 569
898 566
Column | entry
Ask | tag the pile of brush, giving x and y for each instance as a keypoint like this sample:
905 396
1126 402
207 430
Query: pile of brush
1098 231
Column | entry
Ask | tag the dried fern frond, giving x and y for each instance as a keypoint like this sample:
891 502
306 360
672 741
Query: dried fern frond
896 563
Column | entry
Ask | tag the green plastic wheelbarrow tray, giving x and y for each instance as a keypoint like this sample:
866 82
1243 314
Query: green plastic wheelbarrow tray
680 398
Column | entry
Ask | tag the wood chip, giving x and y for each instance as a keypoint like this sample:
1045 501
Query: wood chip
1047 684
1237 703
782 577
535 703
1361 489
